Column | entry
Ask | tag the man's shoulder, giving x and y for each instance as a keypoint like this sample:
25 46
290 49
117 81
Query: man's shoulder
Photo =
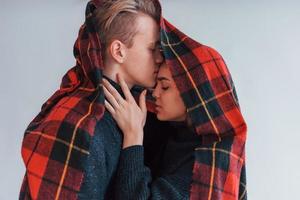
106 121
107 128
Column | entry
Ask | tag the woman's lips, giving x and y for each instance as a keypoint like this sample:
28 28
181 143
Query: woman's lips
157 107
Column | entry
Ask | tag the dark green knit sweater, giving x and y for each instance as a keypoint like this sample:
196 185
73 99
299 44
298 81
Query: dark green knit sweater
134 180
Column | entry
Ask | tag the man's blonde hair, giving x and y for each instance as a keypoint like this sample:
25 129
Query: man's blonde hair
115 19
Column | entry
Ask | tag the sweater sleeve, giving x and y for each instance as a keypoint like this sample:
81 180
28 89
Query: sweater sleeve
101 165
134 179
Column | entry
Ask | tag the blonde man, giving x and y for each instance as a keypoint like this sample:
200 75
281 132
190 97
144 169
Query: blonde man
71 148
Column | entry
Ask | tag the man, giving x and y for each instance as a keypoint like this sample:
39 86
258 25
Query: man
71 148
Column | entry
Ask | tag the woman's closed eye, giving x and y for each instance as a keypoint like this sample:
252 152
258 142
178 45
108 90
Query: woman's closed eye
164 85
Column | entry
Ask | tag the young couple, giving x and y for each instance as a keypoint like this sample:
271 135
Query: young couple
93 138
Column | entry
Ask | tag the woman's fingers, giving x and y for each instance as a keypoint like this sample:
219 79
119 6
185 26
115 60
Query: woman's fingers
142 101
124 87
113 92
113 102
109 107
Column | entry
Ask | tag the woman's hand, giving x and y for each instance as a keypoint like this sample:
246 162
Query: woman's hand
129 116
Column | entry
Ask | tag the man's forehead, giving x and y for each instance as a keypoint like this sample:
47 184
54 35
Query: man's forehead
148 37
147 27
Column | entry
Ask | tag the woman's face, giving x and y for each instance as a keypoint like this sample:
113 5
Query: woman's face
169 104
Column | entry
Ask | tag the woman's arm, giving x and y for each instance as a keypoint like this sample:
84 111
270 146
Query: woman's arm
134 179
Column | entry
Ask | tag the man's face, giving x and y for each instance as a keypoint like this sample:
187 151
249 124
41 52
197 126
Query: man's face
143 58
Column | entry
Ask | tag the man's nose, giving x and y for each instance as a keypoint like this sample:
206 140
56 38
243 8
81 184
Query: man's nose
159 57
155 93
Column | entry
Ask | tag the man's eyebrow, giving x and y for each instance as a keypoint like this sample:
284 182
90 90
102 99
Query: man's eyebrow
162 79
155 43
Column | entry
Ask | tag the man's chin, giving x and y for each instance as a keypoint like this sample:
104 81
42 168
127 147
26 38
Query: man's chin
148 85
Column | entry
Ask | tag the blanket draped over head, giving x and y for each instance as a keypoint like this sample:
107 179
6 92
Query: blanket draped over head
56 142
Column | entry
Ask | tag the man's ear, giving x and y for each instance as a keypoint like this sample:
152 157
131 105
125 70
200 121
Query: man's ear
118 51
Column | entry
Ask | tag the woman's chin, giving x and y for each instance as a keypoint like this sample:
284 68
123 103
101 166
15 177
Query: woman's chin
160 117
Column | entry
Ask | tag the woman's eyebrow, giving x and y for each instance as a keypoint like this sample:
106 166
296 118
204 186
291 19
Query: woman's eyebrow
162 79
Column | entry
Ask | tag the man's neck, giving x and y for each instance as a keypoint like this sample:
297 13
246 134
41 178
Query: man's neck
112 71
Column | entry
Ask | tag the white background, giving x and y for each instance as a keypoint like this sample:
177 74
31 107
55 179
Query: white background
259 40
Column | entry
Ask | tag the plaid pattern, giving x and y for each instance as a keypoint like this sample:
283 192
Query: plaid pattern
207 89
56 142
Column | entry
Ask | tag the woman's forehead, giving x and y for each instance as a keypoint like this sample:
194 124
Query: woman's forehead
164 73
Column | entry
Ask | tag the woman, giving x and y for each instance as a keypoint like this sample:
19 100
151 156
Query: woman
204 156
134 180
176 174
